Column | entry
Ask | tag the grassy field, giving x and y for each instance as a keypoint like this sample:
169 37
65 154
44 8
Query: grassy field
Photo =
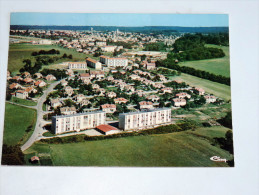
218 66
17 120
219 90
19 52
211 132
23 101
174 149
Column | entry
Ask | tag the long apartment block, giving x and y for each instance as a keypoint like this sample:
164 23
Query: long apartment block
77 122
144 119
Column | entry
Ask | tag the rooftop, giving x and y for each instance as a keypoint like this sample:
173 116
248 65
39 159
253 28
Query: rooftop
78 114
106 128
140 112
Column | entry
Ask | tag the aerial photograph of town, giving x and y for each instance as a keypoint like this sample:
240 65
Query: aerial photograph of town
120 90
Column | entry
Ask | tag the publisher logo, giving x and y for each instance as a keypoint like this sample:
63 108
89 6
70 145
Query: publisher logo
218 159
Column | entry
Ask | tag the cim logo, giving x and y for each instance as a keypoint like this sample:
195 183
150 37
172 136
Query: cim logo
218 159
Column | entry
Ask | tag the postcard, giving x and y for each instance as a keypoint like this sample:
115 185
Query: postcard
118 90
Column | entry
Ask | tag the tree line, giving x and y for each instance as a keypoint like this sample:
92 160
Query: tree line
192 71
44 52
192 47
40 61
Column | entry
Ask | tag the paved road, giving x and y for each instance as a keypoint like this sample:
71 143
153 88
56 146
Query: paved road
38 131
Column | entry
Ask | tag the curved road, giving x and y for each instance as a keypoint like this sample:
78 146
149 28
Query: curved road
40 123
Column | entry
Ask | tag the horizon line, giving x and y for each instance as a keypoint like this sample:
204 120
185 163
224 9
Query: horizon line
118 26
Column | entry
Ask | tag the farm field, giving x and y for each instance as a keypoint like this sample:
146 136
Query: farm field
17 120
218 89
19 52
218 66
175 149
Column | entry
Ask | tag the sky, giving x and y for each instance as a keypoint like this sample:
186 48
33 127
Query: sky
89 19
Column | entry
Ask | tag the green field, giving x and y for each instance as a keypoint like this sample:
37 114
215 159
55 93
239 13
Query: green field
19 52
174 149
218 66
23 101
219 90
17 120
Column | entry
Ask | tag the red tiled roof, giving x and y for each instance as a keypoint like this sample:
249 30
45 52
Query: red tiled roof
106 128
13 85
120 99
145 103
84 75
108 106
35 158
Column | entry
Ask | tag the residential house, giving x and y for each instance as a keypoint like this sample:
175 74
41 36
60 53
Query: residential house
38 75
111 94
15 86
183 95
40 83
79 97
54 103
28 80
167 90
120 100
31 90
145 105
21 94
179 102
153 98
210 98
68 110
199 91
69 90
108 108
50 77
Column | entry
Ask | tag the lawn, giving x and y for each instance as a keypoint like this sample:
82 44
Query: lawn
218 66
219 90
211 132
174 149
23 101
17 120
19 52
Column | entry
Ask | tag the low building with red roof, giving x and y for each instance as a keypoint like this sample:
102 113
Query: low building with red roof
107 129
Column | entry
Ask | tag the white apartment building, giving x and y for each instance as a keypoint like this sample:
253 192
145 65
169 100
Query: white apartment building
100 43
93 63
108 48
145 119
114 62
77 122
77 65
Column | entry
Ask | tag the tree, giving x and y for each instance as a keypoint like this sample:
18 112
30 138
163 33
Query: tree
64 55
12 155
